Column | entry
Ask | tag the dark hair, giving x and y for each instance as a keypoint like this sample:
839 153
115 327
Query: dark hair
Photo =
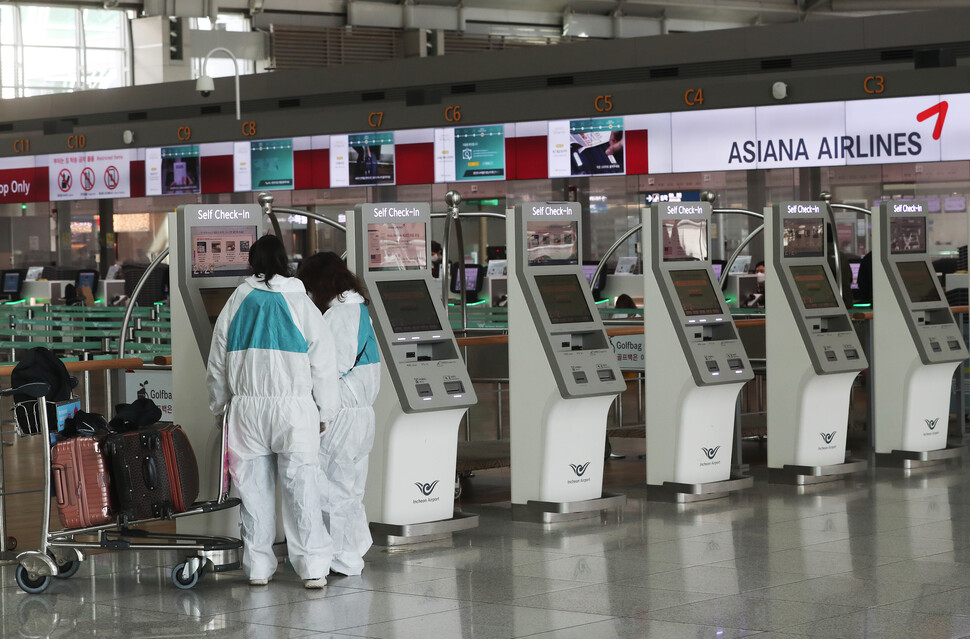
624 301
267 258
435 246
326 276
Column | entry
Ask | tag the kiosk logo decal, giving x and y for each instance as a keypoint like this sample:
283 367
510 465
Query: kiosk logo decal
426 489
711 452
580 470
931 423
828 437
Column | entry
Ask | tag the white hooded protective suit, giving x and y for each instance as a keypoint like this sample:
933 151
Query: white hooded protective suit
347 442
274 357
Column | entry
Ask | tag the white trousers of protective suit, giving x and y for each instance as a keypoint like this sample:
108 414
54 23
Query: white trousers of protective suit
344 449
307 541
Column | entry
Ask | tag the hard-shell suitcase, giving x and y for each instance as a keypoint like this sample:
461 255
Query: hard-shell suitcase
81 483
154 471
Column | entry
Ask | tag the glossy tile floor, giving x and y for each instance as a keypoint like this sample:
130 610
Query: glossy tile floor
881 555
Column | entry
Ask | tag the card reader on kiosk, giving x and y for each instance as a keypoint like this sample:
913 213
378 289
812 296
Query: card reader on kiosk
563 375
813 353
917 345
695 364
209 258
425 387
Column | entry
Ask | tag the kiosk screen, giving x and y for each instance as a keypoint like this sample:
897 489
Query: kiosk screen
563 298
813 285
551 243
804 237
907 235
685 239
696 294
918 282
214 299
409 306
11 283
396 246
221 251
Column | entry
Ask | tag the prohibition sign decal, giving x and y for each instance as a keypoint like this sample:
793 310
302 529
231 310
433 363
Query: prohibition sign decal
111 177
87 178
64 180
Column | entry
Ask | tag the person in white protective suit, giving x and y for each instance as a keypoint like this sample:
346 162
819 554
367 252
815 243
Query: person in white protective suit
347 442
273 357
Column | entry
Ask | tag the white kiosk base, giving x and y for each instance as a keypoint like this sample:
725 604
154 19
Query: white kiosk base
806 429
410 498
558 445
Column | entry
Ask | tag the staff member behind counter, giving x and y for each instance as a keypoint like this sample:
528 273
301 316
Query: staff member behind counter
347 442
273 356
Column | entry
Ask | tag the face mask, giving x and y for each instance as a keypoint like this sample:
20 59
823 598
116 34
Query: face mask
761 278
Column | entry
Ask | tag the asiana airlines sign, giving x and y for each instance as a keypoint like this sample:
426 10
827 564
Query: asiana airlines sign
879 131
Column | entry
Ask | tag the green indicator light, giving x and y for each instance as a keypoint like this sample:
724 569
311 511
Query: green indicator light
602 301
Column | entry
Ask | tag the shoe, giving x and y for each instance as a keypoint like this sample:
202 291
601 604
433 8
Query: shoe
259 582
315 584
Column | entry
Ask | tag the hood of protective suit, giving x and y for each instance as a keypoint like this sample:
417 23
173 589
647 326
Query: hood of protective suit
278 284
347 297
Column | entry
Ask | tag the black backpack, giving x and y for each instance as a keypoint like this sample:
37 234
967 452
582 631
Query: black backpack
41 365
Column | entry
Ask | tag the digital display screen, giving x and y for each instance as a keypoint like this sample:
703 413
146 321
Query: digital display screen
564 299
11 283
86 278
804 237
695 292
589 146
471 279
370 158
684 239
221 251
718 267
918 282
470 153
854 267
396 246
409 306
551 243
813 285
272 164
180 170
589 270
907 234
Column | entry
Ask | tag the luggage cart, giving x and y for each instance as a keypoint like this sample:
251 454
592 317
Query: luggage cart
59 553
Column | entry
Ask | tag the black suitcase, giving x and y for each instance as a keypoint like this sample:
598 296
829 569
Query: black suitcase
153 471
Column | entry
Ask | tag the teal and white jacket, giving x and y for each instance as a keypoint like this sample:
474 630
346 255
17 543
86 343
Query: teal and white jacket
358 357
273 356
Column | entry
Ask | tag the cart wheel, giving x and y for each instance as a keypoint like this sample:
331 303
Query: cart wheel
65 571
180 582
31 585
11 543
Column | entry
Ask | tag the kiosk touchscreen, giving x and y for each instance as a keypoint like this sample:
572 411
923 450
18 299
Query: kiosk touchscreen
425 387
11 283
916 343
696 364
563 375
209 258
812 351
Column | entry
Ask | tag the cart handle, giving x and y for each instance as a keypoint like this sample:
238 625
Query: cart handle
34 390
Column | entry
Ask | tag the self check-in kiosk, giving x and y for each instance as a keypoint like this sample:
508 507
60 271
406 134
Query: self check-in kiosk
563 375
209 258
695 364
917 345
812 350
425 387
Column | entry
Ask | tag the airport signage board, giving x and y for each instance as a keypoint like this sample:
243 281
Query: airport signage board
21 181
94 175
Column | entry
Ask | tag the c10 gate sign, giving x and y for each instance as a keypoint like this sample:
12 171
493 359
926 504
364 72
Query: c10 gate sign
879 131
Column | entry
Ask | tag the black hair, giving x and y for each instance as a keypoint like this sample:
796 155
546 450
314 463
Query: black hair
326 276
435 246
624 301
267 258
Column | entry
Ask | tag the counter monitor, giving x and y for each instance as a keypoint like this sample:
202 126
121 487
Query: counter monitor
589 269
695 292
409 306
813 286
563 298
804 237
396 246
907 234
684 239
87 279
918 281
551 243
11 283
221 251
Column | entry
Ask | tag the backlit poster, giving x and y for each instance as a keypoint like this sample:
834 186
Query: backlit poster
466 154
173 170
591 146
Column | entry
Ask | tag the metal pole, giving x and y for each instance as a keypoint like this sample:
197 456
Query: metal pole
499 402
266 201
443 269
727 267
134 298
827 197
609 252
